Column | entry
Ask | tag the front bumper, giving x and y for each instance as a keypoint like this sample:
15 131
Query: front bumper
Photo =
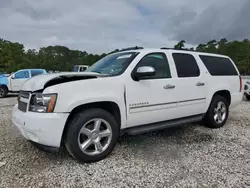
42 128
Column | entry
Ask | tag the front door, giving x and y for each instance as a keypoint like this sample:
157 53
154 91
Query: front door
153 98
19 78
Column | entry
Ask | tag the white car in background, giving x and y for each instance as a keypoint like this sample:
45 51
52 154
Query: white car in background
247 90
13 83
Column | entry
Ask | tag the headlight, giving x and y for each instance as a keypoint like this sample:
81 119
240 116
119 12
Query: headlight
42 103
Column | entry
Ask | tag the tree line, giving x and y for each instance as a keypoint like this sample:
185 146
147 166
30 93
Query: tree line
13 55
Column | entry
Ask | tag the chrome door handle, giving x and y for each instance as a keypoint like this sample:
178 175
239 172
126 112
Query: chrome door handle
200 84
169 86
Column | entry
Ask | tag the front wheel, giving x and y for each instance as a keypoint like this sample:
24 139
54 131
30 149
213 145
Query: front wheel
217 113
92 135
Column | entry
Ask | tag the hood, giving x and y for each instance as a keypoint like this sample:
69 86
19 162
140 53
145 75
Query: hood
42 81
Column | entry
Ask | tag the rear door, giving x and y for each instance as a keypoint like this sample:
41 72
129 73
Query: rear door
190 84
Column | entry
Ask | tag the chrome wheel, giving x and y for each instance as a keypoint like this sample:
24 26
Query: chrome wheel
220 112
95 136
1 92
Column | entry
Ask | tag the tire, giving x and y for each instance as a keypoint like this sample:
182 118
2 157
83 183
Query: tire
210 119
248 97
81 131
3 91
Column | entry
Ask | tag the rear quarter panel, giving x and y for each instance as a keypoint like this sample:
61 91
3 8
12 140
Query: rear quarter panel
229 83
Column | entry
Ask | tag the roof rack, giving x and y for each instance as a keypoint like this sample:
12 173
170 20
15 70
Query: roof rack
131 48
165 48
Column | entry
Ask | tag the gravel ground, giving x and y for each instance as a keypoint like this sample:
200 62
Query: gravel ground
188 156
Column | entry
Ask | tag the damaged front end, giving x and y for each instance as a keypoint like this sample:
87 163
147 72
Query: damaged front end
31 96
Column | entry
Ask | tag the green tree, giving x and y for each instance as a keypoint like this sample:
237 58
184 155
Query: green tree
180 45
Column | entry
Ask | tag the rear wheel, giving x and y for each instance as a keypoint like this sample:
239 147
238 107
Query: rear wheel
3 91
92 135
217 113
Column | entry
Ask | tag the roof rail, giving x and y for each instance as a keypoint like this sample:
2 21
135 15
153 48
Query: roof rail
131 48
166 48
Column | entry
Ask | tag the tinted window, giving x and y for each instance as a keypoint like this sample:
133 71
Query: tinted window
186 65
36 72
159 62
218 65
22 74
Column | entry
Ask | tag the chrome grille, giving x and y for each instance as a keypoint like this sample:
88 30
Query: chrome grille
22 106
23 100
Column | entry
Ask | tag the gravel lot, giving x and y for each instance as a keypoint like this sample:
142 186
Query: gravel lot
188 156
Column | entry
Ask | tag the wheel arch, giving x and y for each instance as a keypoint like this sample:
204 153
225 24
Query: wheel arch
5 86
224 93
109 106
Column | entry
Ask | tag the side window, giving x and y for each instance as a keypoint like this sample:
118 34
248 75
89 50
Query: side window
36 72
82 69
218 66
22 75
159 62
186 65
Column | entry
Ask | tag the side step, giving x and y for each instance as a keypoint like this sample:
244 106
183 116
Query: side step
162 125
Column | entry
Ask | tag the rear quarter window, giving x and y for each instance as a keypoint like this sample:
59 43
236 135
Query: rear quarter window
219 66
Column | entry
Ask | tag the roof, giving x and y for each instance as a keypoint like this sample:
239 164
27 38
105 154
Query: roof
172 50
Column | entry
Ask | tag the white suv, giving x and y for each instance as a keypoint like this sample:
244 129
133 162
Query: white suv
132 92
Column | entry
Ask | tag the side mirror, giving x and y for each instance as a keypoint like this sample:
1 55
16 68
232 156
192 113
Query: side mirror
144 72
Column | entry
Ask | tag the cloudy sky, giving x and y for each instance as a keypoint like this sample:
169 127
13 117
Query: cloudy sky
103 25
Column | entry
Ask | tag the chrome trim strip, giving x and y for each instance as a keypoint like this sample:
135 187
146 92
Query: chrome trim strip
151 105
192 100
161 104
153 109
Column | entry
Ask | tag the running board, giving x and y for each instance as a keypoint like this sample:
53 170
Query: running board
162 125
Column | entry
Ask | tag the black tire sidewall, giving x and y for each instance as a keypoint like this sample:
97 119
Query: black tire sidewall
5 91
209 118
75 125
248 97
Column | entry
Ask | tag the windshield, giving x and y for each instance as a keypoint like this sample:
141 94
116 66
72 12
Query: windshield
75 68
113 64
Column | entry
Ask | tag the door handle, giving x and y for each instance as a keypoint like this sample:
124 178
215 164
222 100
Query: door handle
169 86
200 84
